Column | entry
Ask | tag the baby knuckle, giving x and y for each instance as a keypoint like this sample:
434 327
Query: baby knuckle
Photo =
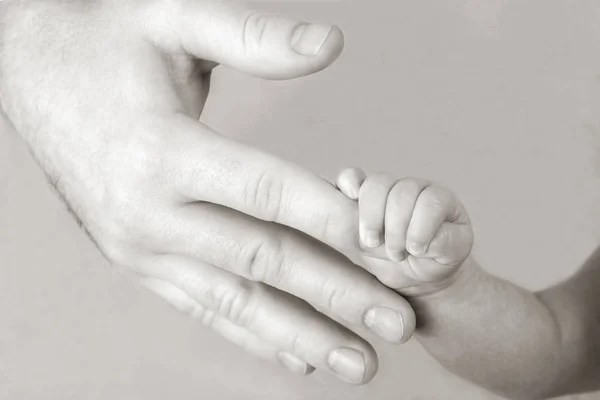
435 199
409 187
398 198
378 181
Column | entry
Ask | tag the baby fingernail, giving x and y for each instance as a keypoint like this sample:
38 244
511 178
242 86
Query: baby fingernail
353 193
372 239
295 364
348 363
385 322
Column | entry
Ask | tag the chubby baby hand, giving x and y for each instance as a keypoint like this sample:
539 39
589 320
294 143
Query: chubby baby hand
415 235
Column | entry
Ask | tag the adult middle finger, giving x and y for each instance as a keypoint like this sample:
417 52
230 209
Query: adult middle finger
290 261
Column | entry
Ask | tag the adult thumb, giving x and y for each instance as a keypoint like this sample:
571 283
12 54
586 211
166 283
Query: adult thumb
261 44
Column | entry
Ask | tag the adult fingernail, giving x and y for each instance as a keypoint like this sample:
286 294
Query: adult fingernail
385 322
308 39
372 239
348 363
397 255
295 364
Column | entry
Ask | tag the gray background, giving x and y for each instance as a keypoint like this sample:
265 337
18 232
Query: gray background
498 99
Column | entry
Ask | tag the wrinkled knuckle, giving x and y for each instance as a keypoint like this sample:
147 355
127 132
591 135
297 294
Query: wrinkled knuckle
335 295
328 228
255 27
233 305
265 194
266 261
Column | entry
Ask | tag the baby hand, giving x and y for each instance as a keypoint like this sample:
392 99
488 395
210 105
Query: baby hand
415 235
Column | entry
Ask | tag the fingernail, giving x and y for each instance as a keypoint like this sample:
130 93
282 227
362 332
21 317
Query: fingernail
416 248
385 322
309 38
348 363
397 255
353 193
295 364
372 239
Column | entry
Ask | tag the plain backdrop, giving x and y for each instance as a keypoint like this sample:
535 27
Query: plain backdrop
497 99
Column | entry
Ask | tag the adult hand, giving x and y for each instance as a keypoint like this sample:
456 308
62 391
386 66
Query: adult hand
108 94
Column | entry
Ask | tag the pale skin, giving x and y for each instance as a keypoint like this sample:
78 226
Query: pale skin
417 238
107 94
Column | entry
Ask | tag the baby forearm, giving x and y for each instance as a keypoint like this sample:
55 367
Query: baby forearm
492 333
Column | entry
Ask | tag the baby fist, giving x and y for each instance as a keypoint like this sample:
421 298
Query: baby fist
415 235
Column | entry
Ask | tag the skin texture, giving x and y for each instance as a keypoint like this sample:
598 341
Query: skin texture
107 94
515 343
